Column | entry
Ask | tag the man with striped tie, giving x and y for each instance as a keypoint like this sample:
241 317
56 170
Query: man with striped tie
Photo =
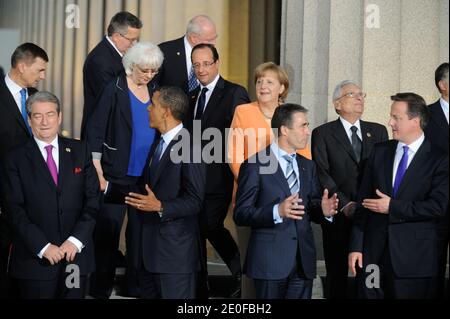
278 196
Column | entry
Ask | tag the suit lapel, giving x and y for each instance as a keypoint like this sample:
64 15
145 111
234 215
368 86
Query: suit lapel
367 139
418 159
438 116
7 100
165 159
303 181
37 160
388 166
65 163
214 100
279 175
124 103
341 136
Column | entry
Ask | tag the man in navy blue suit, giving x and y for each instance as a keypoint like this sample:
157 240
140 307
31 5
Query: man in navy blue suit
278 195
168 240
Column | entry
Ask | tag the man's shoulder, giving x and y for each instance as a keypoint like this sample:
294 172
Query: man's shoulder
326 128
435 105
374 126
71 144
172 44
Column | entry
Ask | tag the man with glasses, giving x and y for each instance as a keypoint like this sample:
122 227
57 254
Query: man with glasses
104 62
340 150
177 68
212 106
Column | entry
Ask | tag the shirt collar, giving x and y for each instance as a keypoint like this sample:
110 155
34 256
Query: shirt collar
188 46
348 125
42 144
170 135
211 86
444 104
13 87
114 46
278 152
414 146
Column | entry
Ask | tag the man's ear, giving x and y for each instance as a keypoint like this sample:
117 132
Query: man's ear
442 85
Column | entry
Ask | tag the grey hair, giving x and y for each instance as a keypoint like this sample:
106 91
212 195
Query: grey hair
338 89
143 54
122 21
42 96
195 25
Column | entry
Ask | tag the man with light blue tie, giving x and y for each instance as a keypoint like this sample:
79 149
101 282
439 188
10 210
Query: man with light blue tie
278 196
404 192
28 67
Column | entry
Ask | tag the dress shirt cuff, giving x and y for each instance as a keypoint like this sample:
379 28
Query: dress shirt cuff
106 188
329 219
77 243
276 216
41 254
96 156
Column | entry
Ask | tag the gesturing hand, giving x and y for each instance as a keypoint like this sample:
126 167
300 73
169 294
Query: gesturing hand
292 208
145 203
329 205
380 206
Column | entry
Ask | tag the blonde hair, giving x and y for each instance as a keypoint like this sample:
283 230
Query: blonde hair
281 73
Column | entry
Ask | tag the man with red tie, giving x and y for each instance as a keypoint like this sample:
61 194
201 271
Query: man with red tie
404 192
51 199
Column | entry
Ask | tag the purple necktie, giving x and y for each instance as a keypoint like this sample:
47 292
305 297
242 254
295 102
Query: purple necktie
51 164
401 170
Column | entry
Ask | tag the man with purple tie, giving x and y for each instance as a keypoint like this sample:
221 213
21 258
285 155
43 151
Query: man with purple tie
51 199
404 192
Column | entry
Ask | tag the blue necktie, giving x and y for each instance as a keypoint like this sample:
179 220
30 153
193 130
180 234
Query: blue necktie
201 104
23 94
192 81
156 158
401 170
291 177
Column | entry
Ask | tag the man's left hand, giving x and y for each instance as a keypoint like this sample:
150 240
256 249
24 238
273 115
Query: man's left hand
146 203
70 250
380 206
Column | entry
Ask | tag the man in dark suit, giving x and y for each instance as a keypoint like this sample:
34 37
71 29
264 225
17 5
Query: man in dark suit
278 195
177 67
437 133
51 196
168 242
104 62
340 150
404 192
212 107
28 67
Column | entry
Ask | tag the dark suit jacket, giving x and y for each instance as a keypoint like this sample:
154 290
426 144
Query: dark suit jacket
218 114
102 65
408 232
173 72
13 133
170 244
337 167
41 213
437 129
110 128
272 249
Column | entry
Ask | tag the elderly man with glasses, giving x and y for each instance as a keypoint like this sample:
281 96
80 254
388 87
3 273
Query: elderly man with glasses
340 150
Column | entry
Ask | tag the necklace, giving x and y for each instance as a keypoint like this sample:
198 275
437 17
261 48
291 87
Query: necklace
264 114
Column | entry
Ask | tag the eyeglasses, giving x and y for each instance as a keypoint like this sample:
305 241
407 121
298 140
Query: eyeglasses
354 95
150 71
206 65
129 40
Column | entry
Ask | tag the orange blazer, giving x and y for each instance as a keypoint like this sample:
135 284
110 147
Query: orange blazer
249 134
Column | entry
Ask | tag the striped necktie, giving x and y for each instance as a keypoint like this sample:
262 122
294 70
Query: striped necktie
291 177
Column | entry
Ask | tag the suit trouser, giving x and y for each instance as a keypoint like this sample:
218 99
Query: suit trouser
106 240
442 250
393 287
335 245
167 286
212 217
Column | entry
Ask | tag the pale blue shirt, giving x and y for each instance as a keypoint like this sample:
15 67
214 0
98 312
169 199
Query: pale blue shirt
444 105
169 136
279 153
55 154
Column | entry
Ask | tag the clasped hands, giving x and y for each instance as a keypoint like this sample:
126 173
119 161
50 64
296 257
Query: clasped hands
145 203
293 208
55 254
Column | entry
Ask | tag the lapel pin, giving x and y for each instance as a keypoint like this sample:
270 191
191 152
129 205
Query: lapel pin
178 53
369 135
68 150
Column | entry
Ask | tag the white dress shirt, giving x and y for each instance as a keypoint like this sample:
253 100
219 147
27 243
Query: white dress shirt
211 86
279 153
15 89
444 105
114 46
169 136
348 128
55 154
412 150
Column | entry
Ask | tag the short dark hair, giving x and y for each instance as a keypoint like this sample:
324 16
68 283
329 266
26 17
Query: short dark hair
175 99
283 115
27 52
42 96
441 74
206 46
122 21
417 107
